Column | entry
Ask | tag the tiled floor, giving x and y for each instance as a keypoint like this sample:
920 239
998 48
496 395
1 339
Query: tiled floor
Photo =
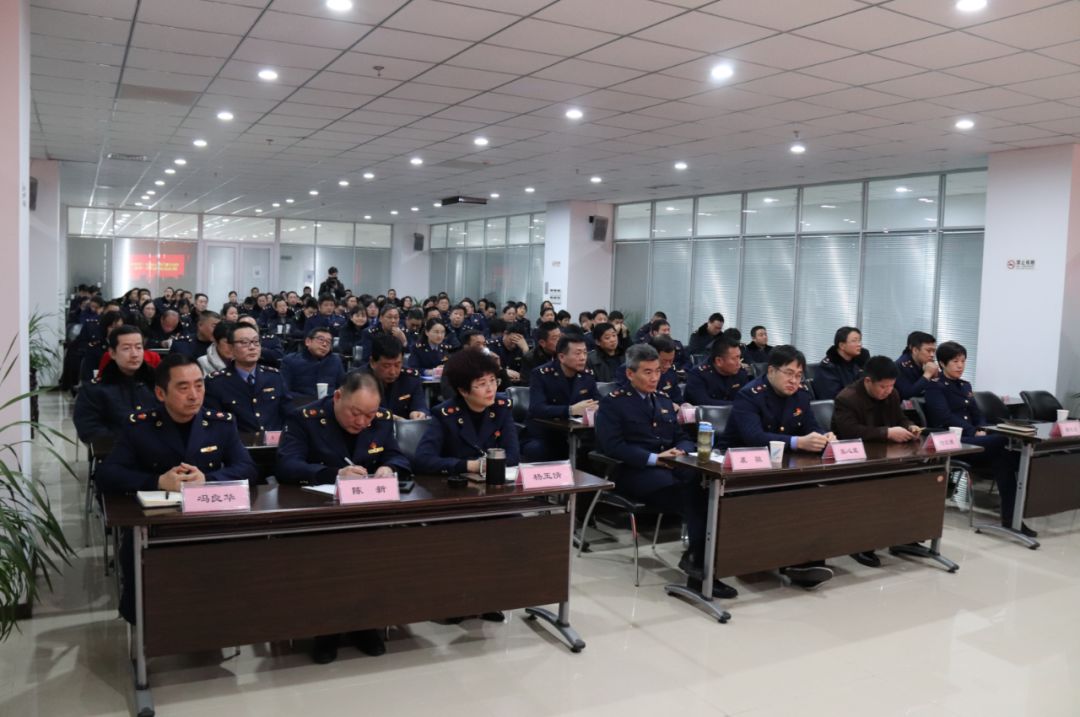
1001 637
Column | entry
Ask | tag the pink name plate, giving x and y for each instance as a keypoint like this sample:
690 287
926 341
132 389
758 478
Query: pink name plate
545 475
271 438
942 442
1065 429
214 497
747 459
687 414
350 491
845 451
589 417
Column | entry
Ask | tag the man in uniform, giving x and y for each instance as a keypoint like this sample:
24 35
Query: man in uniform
255 394
326 318
345 434
683 362
547 339
313 364
638 426
197 345
163 448
917 365
842 364
389 325
401 389
509 345
717 381
123 387
669 379
561 388
776 407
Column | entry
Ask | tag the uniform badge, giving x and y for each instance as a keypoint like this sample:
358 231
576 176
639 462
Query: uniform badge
797 412
374 448
208 449
268 390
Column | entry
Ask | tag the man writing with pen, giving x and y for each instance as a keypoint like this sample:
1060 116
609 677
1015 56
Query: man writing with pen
344 434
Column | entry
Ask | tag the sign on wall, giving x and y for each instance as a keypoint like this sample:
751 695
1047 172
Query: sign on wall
1020 264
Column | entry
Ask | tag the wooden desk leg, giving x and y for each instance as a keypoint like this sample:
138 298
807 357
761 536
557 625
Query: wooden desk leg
144 702
933 552
561 622
704 599
1017 518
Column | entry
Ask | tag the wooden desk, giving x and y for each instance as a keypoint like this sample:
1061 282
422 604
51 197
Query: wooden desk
1047 481
574 430
300 565
810 509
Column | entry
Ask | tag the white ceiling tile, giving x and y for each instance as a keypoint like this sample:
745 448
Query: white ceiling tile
119 9
198 15
1069 52
316 31
437 18
465 78
926 85
269 53
640 54
166 80
392 68
611 100
249 72
793 111
78 50
516 7
1052 88
782 14
484 56
662 87
1021 67
1040 112
730 99
855 99
594 74
911 112
474 114
620 16
410 107
241 88
143 59
159 37
368 12
941 51
682 111
431 93
243 104
1038 28
862 69
788 52
550 37
505 103
704 32
870 29
409 45
986 99
791 86
77 26
945 13
699 70
74 70
1015 133
1064 126
850 122
544 89
338 82
637 122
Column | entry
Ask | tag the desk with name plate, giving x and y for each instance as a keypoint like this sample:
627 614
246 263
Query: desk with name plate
1047 481
299 564
809 509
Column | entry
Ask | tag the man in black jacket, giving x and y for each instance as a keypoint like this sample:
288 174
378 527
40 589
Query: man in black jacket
125 386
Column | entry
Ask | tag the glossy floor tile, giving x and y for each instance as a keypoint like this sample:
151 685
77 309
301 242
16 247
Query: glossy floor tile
1000 637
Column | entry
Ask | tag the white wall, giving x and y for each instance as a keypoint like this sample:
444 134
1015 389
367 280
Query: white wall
410 269
1032 203
47 247
573 262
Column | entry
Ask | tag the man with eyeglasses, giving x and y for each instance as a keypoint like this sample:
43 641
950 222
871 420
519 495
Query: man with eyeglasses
313 364
345 434
562 388
776 407
256 395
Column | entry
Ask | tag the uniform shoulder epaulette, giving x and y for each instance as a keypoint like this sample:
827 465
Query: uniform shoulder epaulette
759 388
619 393
804 387
907 363
936 379
587 371
506 402
703 367
142 416
661 392
384 414
409 372
547 369
269 369
217 416
219 372
826 361
449 410
312 412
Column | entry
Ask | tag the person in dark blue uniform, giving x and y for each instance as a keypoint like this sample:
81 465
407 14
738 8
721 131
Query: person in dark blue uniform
99 344
163 448
645 330
669 378
548 336
638 425
198 344
255 394
683 362
950 401
326 318
509 345
352 333
563 388
842 364
165 329
280 321
313 364
776 407
346 434
124 386
272 349
456 326
389 325
401 389
917 365
758 350
606 359
433 350
717 381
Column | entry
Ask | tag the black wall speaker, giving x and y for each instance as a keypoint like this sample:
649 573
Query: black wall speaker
599 227
33 193
418 241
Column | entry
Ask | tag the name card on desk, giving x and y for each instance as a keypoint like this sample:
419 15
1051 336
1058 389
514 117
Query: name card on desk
271 438
747 459
545 475
351 491
1065 429
230 495
589 417
845 451
687 414
942 442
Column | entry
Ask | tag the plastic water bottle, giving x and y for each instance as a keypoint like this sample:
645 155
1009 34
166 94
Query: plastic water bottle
704 441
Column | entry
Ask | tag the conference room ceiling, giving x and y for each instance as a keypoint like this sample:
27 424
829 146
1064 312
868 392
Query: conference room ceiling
872 88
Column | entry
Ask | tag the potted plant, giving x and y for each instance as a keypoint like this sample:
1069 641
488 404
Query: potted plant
31 539
44 357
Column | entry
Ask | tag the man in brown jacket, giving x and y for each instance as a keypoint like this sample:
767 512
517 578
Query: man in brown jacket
869 408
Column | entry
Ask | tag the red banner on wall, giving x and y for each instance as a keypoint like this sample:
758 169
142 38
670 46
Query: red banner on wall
149 266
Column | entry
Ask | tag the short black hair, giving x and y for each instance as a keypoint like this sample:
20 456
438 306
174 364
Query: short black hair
163 372
466 366
949 350
565 340
223 329
431 322
497 326
318 330
332 270
880 368
782 355
125 330
355 380
658 315
755 329
842 334
466 335
385 346
613 315
233 328
662 344
415 313
564 314
598 330
722 345
917 339
583 315
387 308
327 297
309 302
209 316
544 329
734 334
658 324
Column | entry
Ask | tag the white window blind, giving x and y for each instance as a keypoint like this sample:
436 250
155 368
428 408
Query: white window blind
716 280
669 280
958 296
631 281
438 271
828 291
372 271
495 275
898 289
768 286
517 274
474 272
536 275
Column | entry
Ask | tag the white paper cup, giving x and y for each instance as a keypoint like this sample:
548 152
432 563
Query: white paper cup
95 373
776 451
1062 414
957 431
321 388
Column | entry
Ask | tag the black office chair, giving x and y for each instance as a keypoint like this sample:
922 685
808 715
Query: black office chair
918 407
992 407
760 368
716 415
614 499
823 412
811 370
808 384
408 435
605 387
699 359
1041 405
519 404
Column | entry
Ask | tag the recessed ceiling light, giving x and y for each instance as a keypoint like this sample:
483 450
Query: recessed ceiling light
343 182
828 206
369 175
170 170
437 205
314 192
530 190
480 141
681 165
669 209
258 211
416 161
151 192
574 113
367 216
964 124
926 200
770 200
970 5
339 5
145 197
723 71
494 195
200 143
225 116
596 180
180 161
268 75
903 190
138 204
159 182
275 205
797 147
414 209
289 201
393 212
930 219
